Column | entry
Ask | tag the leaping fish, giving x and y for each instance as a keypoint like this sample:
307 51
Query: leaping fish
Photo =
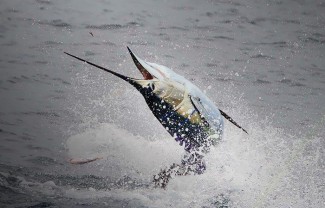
184 111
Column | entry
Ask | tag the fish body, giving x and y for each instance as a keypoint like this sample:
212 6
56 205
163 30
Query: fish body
183 110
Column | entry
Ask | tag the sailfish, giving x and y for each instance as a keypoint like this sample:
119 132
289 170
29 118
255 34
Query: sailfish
188 115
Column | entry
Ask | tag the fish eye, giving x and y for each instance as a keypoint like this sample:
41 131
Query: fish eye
151 86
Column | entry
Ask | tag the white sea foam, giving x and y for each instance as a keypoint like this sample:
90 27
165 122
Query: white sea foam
124 151
241 168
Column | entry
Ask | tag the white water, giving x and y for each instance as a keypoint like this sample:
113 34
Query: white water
250 171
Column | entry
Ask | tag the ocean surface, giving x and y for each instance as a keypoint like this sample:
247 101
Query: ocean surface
262 62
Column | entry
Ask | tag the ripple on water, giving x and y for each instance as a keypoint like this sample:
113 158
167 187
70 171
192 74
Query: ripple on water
41 62
212 65
280 44
18 79
262 81
312 40
41 113
175 28
51 42
48 2
89 53
2 131
55 23
262 56
140 43
113 26
291 83
104 42
61 81
9 43
41 160
223 37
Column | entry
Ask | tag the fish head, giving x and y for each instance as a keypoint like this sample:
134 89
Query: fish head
148 71
170 102
157 82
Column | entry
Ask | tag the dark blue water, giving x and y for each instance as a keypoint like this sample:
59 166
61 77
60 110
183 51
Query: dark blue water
261 62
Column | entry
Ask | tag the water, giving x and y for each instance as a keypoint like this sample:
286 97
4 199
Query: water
261 62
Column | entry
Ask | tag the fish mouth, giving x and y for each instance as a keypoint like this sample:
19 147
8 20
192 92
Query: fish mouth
148 70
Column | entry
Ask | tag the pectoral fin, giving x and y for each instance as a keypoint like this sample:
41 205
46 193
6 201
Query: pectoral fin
206 113
210 116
